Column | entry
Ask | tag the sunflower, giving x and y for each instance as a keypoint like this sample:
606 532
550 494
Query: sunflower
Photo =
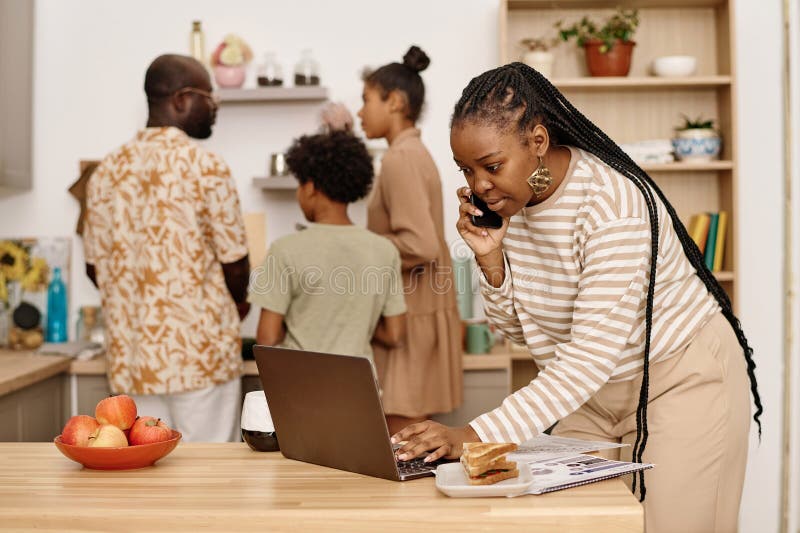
13 260
35 279
3 289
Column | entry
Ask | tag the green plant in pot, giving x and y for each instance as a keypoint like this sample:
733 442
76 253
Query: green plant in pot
609 46
538 54
696 140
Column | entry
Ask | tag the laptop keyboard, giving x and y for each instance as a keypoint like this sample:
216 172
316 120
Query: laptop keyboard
417 466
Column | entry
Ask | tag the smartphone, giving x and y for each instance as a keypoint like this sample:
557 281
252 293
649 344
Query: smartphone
490 219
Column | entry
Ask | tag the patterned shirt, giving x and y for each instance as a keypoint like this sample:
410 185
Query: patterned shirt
162 215
574 293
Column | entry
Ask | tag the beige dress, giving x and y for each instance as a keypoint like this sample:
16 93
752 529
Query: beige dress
424 376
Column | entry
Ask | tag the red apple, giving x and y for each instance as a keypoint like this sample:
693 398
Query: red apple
77 430
147 430
119 411
108 436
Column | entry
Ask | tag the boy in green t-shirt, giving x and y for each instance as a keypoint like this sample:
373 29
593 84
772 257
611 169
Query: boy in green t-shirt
332 287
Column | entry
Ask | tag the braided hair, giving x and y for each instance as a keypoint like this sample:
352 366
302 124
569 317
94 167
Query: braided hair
517 94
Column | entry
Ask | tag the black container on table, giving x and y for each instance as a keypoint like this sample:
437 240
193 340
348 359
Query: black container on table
261 441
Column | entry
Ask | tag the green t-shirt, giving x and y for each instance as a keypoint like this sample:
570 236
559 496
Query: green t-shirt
332 283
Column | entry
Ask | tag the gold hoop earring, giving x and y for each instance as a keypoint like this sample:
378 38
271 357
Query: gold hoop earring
541 179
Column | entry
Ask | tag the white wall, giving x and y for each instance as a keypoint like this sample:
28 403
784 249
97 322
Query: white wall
90 61
794 450
760 262
91 56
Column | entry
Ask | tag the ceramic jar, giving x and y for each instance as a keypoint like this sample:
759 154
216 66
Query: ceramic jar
228 77
697 145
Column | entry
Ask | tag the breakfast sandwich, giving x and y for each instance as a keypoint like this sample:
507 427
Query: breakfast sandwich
485 462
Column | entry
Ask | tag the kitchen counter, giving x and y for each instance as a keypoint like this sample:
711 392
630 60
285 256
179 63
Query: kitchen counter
74 387
227 487
493 361
20 369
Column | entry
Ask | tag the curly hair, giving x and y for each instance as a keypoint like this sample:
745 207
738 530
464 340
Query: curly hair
337 163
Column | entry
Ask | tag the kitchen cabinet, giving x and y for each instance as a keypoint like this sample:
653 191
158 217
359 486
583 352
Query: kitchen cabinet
16 95
33 413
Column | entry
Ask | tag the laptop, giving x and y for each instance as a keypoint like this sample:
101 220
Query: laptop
327 411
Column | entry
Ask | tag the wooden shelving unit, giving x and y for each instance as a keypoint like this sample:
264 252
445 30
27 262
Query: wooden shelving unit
641 106
273 94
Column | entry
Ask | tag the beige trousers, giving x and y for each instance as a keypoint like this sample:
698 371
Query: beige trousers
698 417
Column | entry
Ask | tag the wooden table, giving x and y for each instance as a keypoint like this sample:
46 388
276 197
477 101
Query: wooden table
227 487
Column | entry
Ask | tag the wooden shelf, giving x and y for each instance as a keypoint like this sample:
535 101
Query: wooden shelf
596 4
273 94
687 167
635 83
276 183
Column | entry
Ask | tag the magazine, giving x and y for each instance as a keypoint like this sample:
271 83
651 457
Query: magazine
544 446
571 471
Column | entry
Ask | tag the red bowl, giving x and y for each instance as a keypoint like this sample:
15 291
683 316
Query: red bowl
125 458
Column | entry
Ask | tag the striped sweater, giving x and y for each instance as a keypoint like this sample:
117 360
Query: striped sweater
574 293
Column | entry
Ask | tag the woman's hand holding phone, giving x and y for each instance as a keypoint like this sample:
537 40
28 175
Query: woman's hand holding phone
483 240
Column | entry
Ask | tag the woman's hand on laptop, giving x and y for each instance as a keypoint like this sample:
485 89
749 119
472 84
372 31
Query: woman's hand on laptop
440 440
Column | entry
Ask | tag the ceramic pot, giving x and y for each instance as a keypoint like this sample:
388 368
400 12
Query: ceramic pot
541 61
229 77
697 145
615 62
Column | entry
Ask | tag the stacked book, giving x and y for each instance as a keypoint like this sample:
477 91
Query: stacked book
650 151
708 231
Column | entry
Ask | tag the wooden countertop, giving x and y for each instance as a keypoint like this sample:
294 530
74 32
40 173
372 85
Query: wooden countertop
20 369
227 487
493 361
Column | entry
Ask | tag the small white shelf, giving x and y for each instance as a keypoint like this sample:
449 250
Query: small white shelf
275 183
274 94
602 83
679 166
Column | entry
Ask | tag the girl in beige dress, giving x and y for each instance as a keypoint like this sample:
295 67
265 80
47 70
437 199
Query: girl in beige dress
423 376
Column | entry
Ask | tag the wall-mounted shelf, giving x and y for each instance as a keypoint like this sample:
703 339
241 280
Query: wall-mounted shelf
631 83
273 94
679 166
276 183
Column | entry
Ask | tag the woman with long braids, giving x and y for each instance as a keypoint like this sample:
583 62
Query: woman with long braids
630 349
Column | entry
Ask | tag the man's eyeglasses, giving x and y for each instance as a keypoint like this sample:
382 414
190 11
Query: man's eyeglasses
211 96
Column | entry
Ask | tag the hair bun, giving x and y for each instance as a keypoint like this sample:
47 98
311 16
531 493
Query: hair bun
416 59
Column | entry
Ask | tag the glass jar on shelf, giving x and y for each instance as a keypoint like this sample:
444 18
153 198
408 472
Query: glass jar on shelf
269 73
306 71
90 325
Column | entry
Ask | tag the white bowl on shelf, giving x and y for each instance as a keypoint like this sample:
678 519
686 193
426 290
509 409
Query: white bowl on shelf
674 66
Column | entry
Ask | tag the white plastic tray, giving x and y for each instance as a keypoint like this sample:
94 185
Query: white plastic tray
452 480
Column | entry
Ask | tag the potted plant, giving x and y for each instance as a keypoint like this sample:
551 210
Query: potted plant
229 61
696 140
538 54
608 47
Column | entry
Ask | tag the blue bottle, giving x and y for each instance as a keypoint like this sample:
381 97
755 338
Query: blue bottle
56 309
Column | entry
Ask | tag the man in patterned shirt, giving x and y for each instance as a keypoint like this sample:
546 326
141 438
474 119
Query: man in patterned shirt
165 244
